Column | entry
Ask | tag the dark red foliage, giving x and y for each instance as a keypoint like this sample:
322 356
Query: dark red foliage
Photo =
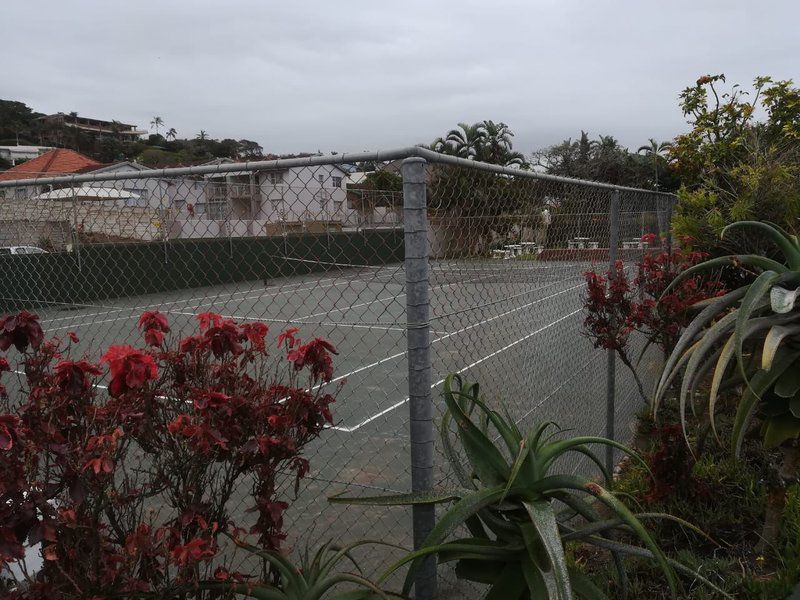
671 463
317 355
130 369
20 330
209 414
617 305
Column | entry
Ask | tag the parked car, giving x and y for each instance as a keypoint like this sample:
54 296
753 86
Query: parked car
22 250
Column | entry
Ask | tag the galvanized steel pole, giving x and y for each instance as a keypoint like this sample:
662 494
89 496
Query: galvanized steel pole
611 357
418 340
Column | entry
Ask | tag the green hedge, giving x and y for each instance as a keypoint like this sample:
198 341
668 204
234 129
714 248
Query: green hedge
105 271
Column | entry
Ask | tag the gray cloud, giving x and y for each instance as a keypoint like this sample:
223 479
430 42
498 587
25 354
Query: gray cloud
358 75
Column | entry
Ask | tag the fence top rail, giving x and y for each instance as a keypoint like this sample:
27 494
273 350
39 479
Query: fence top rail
315 161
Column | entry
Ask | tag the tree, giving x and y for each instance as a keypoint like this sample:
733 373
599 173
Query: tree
733 167
156 123
602 159
485 141
171 134
497 147
249 150
467 140
202 136
656 152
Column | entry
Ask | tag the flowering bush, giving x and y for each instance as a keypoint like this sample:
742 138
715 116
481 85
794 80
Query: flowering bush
617 305
128 491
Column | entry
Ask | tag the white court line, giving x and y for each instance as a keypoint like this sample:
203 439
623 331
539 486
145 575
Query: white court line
377 300
288 288
444 337
293 321
397 405
208 303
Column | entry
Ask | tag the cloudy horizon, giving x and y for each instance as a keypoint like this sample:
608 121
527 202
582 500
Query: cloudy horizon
365 76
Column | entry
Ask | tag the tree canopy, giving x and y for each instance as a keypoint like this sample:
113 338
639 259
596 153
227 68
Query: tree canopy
733 166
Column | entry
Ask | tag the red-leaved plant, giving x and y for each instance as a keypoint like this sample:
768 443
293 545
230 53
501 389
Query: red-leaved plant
127 490
617 304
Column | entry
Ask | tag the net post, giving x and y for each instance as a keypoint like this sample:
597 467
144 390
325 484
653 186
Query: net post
418 342
611 357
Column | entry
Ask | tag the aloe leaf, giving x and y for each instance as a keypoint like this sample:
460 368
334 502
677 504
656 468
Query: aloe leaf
344 552
510 584
487 461
751 302
287 570
479 571
607 477
522 456
319 590
723 361
585 587
788 384
555 449
782 300
703 318
452 456
784 233
645 553
260 591
537 586
452 519
628 518
543 518
779 429
600 526
711 337
790 252
667 378
751 260
773 341
760 382
429 497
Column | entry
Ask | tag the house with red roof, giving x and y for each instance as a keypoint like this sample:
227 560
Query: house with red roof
60 161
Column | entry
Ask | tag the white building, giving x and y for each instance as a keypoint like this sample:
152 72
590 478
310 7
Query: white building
14 154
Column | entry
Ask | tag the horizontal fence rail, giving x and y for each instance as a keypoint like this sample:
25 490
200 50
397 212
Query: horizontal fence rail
454 266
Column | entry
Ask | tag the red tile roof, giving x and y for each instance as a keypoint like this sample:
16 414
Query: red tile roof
60 161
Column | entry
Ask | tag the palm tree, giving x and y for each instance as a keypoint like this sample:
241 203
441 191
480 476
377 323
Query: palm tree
467 140
156 123
655 151
498 148
171 134
202 136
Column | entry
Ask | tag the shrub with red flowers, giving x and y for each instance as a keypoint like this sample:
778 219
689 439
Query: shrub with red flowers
617 304
127 490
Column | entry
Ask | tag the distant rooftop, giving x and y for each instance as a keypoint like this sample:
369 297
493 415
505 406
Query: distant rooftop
94 125
60 161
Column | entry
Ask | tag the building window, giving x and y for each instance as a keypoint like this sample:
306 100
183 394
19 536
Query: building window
275 177
337 182
321 179
216 211
19 194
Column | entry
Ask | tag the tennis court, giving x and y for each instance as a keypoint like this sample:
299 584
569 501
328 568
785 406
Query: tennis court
512 325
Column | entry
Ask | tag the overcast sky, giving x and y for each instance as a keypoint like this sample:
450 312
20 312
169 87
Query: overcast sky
355 75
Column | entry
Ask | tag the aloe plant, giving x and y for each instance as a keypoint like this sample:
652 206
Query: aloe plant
313 578
507 501
748 337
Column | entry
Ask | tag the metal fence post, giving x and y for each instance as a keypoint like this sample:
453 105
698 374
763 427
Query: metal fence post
611 357
76 244
419 360
670 202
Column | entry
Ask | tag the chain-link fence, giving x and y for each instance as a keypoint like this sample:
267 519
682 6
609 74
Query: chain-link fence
483 277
